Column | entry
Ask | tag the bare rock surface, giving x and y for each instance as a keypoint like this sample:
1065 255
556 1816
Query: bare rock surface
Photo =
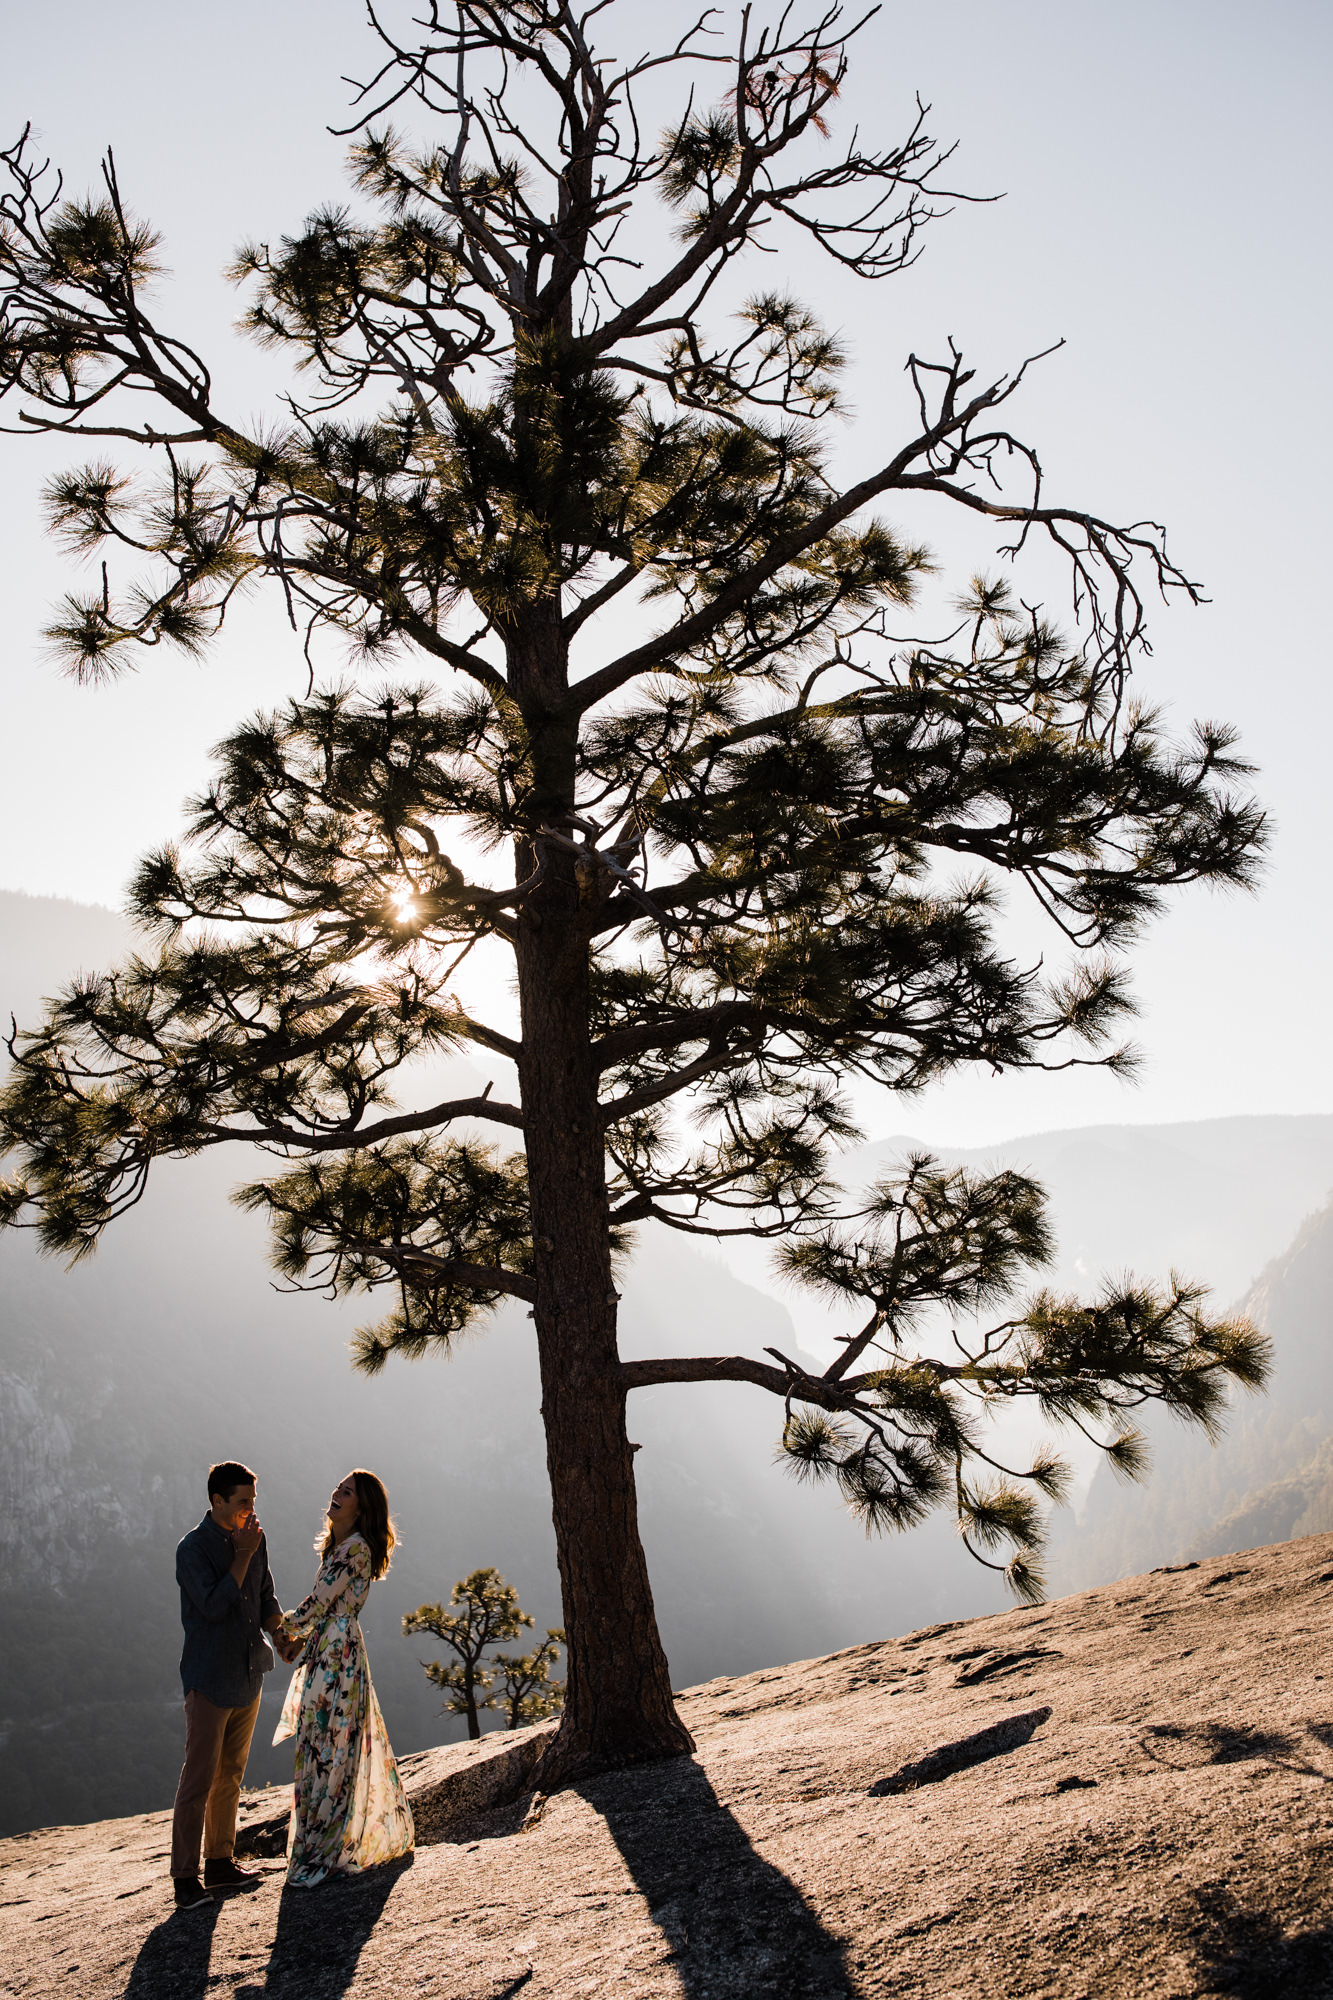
897 1820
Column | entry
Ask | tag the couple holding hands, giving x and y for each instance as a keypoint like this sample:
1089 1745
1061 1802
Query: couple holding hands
349 1810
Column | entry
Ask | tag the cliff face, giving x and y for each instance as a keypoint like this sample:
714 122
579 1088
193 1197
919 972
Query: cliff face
1124 1793
78 1486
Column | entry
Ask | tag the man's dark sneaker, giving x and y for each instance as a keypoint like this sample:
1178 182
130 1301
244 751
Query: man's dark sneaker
226 1875
190 1893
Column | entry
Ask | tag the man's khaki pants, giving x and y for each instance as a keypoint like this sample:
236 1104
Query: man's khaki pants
217 1743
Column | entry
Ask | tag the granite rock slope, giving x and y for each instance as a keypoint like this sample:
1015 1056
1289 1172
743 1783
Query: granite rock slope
900 1819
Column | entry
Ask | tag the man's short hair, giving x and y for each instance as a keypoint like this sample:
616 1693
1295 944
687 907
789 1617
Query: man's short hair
223 1479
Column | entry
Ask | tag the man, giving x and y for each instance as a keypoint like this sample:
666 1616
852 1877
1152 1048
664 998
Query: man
227 1603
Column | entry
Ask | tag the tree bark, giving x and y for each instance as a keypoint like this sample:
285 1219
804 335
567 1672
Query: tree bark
618 1708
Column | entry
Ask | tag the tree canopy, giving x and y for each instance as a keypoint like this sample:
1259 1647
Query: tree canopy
744 842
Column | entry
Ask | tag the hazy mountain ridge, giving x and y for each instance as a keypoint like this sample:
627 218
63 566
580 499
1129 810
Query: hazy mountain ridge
79 1464
1215 1199
1272 1475
1282 1511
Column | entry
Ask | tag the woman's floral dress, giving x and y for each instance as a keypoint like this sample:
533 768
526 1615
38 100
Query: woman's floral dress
349 1811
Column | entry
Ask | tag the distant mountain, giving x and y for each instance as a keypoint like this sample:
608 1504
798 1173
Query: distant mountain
1214 1199
1272 1475
1281 1511
121 1380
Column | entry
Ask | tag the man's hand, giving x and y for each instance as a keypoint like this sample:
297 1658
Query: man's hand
246 1539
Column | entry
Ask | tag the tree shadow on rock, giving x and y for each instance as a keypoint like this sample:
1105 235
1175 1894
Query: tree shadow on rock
734 1923
175 1957
321 1935
1322 1733
1188 1747
1246 1952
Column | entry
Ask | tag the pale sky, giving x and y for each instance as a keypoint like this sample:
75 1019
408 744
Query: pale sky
1165 171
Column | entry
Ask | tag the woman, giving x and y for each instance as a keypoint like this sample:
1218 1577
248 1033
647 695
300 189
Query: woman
349 1811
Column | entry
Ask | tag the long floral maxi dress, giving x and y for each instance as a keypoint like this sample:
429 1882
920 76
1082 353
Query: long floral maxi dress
349 1811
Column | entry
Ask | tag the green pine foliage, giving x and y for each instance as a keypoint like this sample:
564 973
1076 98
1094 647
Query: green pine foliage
772 833
527 1693
483 1611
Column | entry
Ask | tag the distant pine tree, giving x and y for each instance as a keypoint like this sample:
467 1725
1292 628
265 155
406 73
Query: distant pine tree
755 837
527 1693
485 1611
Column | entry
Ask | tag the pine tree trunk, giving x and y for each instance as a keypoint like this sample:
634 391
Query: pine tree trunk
618 1708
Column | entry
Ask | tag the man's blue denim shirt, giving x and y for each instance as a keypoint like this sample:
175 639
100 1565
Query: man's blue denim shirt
225 1656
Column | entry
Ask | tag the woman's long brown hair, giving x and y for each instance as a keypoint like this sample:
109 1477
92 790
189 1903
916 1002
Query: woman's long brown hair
372 1523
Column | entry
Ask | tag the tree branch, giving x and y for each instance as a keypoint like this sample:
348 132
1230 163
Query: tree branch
451 1270
351 1136
788 1380
669 1031
707 1368
717 1057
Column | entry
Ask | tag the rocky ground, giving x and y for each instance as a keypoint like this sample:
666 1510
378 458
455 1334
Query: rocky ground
1167 1829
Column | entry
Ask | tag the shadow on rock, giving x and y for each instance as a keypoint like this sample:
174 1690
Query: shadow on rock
175 1956
1247 1953
1219 1743
321 1935
734 1923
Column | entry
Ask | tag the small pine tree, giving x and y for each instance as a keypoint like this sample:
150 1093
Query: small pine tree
528 1693
486 1609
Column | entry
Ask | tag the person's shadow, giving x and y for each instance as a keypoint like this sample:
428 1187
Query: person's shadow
733 1922
174 1957
319 1939
321 1934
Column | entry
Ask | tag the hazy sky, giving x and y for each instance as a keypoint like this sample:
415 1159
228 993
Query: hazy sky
1165 167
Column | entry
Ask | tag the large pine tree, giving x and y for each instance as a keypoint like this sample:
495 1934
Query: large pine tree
752 855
